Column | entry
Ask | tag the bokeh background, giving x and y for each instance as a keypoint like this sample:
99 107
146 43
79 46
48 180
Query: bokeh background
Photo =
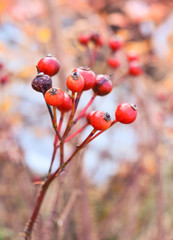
121 186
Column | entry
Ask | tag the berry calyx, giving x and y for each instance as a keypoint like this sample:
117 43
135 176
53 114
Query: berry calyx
126 113
54 96
42 82
49 65
103 85
66 105
135 69
89 115
75 82
84 39
101 120
113 62
88 75
115 43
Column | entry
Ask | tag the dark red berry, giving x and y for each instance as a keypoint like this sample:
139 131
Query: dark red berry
54 96
135 68
103 85
75 82
101 120
97 39
126 113
88 75
113 62
84 39
115 43
66 105
42 82
4 79
89 115
132 56
49 65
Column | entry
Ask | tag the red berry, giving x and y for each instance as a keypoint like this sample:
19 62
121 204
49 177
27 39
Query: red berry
113 62
41 83
66 105
89 115
135 69
101 120
126 113
132 56
75 82
103 85
84 39
115 43
4 79
88 75
54 96
49 65
97 39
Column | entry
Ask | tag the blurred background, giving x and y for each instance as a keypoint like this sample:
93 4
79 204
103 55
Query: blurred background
121 185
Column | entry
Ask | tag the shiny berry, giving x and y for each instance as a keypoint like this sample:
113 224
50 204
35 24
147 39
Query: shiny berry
113 62
89 115
115 43
135 69
126 113
132 56
101 120
84 39
103 85
75 82
88 75
97 39
42 82
54 96
66 105
49 65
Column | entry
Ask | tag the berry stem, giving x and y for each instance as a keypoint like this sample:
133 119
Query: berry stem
38 71
71 116
79 94
82 113
83 144
75 133
61 121
54 117
53 155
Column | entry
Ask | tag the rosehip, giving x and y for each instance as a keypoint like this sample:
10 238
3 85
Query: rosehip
135 69
89 115
84 39
41 82
4 79
101 120
49 65
132 56
66 105
126 113
54 96
97 39
75 82
103 85
88 75
115 43
113 62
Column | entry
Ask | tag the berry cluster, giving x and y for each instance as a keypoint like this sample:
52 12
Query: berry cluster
81 79
115 44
